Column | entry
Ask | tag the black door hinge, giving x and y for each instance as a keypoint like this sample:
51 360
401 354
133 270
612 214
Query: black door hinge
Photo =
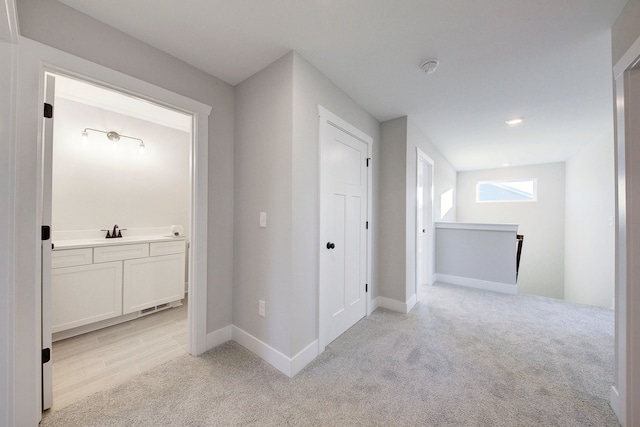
366 287
46 232
368 158
367 226
48 110
46 355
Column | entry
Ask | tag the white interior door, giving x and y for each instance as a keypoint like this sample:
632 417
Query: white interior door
424 220
343 232
47 161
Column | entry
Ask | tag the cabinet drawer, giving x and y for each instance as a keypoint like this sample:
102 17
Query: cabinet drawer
71 257
120 252
167 248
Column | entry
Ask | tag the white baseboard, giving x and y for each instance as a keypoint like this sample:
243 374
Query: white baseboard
374 305
394 305
504 288
218 337
614 401
287 365
411 302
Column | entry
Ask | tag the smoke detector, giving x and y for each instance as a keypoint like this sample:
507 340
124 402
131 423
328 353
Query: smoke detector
429 66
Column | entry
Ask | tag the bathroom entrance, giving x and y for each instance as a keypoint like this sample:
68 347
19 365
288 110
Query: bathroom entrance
117 192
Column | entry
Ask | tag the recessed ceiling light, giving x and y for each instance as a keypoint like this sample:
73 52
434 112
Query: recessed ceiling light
505 165
515 121
429 66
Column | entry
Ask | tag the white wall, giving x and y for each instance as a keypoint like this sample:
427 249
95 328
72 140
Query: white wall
589 276
95 186
399 139
541 222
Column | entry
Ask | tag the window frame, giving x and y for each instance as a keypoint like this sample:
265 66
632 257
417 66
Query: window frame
501 181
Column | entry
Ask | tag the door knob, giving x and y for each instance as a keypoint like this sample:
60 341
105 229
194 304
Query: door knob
330 245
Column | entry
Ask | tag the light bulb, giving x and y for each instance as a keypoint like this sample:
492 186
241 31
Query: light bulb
141 149
85 137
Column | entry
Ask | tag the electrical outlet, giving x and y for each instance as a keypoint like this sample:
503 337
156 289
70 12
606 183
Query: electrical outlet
263 220
262 308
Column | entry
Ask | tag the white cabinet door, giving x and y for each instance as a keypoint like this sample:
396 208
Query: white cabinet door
152 281
85 294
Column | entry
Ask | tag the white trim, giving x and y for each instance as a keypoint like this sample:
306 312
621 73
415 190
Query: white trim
375 303
431 262
7 221
395 305
328 118
218 337
628 60
9 19
614 401
477 226
287 365
504 288
34 59
625 390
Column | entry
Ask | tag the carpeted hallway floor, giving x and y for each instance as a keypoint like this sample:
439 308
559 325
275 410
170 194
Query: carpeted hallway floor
462 357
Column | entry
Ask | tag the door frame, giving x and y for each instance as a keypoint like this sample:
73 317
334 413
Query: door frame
430 255
626 388
35 59
327 118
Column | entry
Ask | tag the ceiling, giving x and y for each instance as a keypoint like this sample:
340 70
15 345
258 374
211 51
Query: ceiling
117 102
546 60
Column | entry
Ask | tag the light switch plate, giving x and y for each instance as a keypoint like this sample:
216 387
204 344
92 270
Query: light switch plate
263 220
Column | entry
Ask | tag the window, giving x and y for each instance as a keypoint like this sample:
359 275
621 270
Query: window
524 190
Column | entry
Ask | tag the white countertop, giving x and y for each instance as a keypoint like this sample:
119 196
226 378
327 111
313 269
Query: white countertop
477 226
92 243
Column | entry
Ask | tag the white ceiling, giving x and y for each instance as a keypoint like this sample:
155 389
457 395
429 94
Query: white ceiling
546 60
86 93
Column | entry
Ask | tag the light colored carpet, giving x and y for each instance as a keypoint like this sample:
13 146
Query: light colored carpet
462 357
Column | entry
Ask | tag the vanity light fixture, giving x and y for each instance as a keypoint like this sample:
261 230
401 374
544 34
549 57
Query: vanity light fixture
515 121
112 136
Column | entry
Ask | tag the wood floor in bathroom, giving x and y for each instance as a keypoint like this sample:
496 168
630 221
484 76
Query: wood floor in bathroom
103 359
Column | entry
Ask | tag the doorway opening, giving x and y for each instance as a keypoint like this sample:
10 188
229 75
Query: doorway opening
425 233
117 192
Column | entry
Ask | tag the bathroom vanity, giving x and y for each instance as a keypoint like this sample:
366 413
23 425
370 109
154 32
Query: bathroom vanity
96 283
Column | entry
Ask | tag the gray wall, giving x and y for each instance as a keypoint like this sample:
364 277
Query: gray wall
7 126
262 183
444 178
277 167
59 26
626 30
310 89
476 254
541 222
589 226
392 220
399 139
